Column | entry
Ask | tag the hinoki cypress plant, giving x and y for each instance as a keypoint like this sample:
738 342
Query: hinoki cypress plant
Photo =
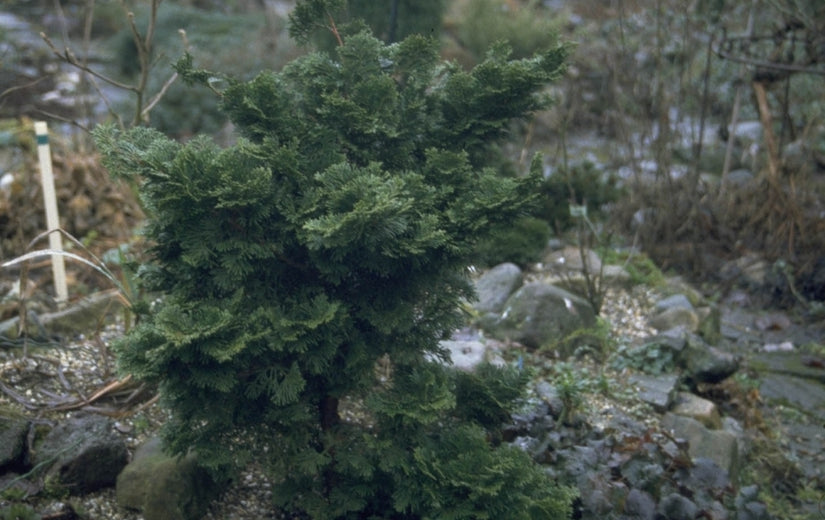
334 234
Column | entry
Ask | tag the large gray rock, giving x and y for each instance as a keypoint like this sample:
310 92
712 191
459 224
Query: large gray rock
693 406
706 364
720 446
639 506
676 507
675 311
807 395
496 286
539 314
658 391
82 454
163 487
675 317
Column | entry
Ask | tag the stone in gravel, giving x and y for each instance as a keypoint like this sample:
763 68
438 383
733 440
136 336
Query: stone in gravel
676 301
705 476
13 431
674 317
707 364
639 505
643 474
748 507
466 355
719 446
677 507
550 395
704 411
163 487
657 391
539 315
496 286
82 454
570 259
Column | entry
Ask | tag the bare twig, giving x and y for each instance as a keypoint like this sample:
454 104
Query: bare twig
68 56
11 90
17 397
157 97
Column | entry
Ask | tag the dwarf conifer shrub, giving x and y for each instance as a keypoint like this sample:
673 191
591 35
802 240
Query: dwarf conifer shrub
335 233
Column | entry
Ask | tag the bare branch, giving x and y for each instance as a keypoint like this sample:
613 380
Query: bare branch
58 117
11 90
69 57
157 97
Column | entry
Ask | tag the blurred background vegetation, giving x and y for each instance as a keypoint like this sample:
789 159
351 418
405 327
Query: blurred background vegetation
693 130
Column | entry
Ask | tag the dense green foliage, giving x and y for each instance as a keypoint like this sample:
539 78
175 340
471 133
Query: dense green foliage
337 232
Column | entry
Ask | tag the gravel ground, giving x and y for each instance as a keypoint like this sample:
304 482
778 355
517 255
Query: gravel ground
55 381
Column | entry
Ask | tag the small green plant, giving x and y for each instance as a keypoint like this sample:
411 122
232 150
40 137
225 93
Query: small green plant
650 358
596 342
571 384
18 511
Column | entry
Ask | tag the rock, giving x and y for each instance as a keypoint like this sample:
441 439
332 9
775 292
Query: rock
570 259
772 321
10 328
674 317
11 481
657 391
676 507
13 432
539 314
805 394
549 394
693 406
710 324
496 286
676 301
789 363
717 445
467 355
750 269
163 487
706 364
747 506
87 455
641 473
639 505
